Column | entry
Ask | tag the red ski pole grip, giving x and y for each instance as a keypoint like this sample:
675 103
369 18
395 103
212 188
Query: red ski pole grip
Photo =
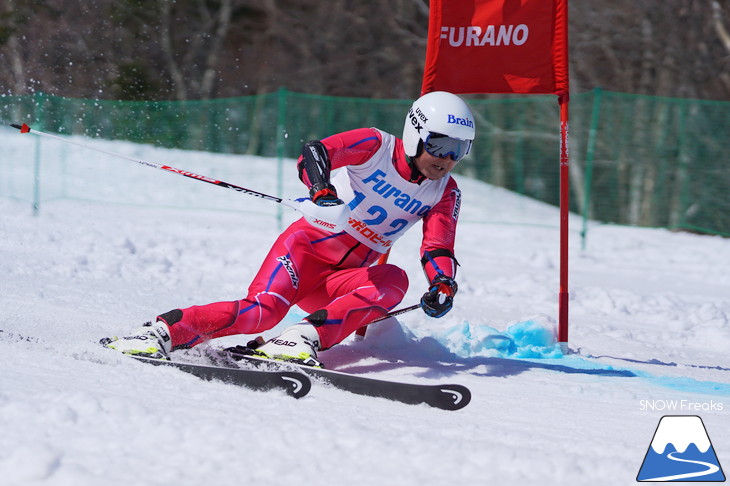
23 128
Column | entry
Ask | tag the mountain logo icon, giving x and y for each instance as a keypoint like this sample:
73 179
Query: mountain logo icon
681 451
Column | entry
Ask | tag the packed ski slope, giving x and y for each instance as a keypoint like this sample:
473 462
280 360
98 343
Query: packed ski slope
120 243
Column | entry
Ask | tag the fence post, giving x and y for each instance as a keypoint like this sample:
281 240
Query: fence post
37 178
519 159
679 208
38 101
280 151
590 155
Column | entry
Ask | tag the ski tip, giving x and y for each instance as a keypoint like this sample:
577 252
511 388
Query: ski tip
23 128
454 397
298 384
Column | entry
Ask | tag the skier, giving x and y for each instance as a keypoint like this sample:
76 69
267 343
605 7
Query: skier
323 262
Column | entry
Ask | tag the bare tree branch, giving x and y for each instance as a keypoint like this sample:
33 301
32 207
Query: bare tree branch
214 51
168 52
718 22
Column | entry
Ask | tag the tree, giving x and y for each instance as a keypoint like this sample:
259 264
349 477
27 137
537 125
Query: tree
199 49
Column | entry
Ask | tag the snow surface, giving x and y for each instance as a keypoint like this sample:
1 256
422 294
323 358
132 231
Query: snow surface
115 244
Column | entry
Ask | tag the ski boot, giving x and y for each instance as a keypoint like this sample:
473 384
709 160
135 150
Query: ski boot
149 341
297 344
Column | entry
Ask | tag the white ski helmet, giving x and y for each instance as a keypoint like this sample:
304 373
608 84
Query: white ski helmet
442 122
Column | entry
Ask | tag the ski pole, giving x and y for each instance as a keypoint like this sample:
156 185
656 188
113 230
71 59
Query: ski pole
395 313
285 202
360 333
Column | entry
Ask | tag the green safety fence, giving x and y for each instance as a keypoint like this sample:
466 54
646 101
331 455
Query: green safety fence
635 160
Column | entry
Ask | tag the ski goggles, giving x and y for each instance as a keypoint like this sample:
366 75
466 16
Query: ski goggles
440 145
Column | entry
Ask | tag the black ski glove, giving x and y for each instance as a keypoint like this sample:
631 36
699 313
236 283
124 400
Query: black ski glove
326 197
440 296
316 163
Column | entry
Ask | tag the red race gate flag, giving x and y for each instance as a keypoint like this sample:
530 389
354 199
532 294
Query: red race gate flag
497 46
507 46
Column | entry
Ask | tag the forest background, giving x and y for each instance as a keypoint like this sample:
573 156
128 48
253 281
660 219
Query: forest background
205 49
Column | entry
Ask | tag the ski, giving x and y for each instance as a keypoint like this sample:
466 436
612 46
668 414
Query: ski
445 397
294 383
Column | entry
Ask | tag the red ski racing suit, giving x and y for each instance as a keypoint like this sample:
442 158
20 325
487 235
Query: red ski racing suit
331 275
